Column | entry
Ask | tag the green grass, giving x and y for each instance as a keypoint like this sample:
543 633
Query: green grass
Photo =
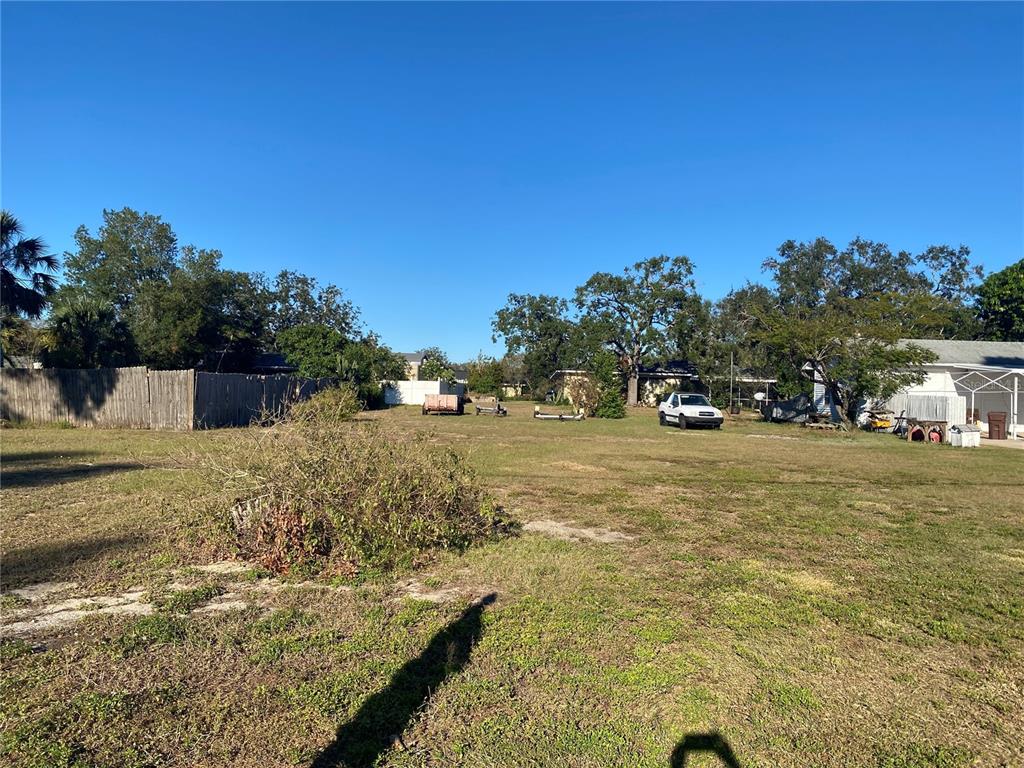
825 600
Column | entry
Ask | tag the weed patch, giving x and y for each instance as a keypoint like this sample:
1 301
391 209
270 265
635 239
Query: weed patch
317 492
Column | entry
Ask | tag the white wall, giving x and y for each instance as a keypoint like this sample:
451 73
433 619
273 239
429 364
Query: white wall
414 392
941 382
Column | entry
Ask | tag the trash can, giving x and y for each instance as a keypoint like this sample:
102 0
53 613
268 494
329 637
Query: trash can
965 436
997 425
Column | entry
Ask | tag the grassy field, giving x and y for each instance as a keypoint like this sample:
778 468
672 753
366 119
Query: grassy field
814 599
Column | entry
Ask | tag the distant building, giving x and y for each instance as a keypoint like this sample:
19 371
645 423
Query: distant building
20 361
968 381
653 382
413 361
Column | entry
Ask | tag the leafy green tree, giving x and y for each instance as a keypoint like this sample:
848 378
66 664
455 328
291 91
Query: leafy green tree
631 312
20 337
436 365
486 376
83 332
1001 304
315 349
296 299
129 250
935 287
198 313
608 378
26 279
539 329
842 320
367 363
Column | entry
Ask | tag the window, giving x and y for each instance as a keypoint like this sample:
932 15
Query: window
695 400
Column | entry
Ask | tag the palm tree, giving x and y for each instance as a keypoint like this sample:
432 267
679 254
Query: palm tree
25 267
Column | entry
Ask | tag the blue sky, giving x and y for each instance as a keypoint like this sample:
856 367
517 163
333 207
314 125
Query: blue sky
431 158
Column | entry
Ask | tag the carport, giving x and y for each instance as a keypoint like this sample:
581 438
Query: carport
977 381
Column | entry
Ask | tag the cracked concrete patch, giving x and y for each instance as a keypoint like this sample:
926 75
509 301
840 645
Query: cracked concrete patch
569 533
42 614
60 614
35 592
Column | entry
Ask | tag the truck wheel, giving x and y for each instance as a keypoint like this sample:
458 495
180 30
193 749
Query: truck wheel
661 419
682 421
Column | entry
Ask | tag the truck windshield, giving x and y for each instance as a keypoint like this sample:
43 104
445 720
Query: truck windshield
693 400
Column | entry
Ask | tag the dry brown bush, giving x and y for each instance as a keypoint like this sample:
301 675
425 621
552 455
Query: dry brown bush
318 490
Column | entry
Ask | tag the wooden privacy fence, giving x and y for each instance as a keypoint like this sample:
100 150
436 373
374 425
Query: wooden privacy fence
144 399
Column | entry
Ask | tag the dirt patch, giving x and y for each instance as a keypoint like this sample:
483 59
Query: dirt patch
586 469
773 437
569 533
873 506
229 601
224 568
1012 556
810 582
413 589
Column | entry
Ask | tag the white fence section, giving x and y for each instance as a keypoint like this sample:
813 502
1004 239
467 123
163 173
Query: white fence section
414 392
939 406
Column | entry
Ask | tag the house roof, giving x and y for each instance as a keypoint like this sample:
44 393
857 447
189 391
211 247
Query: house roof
670 369
273 362
995 354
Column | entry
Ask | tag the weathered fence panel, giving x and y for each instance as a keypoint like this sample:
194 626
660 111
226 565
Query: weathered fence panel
35 396
104 397
238 399
172 399
139 398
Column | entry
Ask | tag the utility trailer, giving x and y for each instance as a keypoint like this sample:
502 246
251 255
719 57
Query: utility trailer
442 404
539 414
491 406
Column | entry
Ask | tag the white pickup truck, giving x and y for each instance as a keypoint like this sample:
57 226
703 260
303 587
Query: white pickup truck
685 409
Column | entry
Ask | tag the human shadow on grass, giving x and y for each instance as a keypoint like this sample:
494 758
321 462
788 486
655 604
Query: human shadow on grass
35 457
712 742
45 562
50 474
382 717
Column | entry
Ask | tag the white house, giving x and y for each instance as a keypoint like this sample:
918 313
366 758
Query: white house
988 375
968 381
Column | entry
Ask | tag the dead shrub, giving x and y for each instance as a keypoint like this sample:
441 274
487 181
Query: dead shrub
318 491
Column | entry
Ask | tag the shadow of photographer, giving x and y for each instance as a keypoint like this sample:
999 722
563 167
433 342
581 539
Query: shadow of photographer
695 743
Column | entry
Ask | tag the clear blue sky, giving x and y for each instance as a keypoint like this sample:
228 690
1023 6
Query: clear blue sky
431 158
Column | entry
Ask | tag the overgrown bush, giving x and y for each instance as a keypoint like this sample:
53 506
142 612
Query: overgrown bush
583 393
331 405
320 492
610 403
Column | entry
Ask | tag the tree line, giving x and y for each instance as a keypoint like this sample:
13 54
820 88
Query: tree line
131 294
839 312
